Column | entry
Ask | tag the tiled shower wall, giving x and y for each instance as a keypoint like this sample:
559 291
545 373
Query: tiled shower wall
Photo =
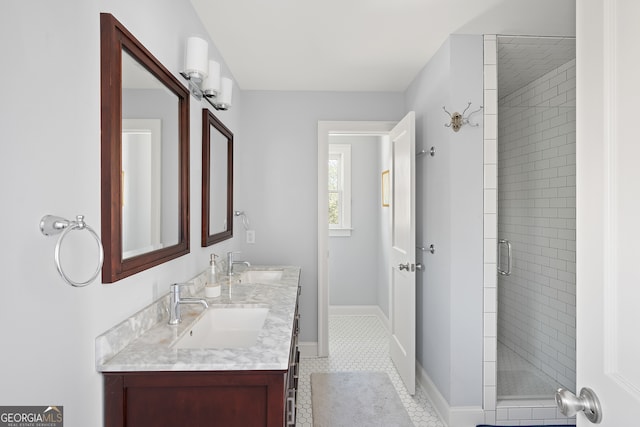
490 186
537 214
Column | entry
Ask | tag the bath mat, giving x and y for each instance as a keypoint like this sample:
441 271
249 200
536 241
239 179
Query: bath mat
356 399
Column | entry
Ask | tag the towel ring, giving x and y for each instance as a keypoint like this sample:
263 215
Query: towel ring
51 224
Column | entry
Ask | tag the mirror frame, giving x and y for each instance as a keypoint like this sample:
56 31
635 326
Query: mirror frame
114 38
209 120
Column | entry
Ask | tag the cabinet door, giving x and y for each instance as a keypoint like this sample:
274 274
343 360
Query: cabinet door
195 399
197 406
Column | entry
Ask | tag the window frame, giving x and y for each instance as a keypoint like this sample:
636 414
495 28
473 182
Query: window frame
344 228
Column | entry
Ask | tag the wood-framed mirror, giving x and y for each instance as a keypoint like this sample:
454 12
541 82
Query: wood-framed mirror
217 180
144 156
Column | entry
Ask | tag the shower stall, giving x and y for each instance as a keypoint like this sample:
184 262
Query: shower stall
536 225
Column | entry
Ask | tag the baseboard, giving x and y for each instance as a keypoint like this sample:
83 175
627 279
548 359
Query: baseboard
456 416
439 402
359 310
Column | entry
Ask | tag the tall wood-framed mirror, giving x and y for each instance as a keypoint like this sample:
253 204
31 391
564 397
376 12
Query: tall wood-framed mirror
217 180
144 156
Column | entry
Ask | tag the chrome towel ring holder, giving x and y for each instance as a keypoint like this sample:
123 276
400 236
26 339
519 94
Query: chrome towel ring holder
51 225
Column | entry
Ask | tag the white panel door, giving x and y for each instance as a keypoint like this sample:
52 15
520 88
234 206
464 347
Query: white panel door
608 207
402 316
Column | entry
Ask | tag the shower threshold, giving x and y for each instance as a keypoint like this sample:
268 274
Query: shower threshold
520 380
541 402
530 412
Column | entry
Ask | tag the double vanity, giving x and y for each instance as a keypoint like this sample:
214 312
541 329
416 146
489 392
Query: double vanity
233 363
185 359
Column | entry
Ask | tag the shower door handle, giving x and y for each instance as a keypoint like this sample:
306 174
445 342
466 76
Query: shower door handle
506 243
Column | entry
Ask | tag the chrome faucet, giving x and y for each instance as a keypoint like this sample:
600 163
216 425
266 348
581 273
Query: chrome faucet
175 301
231 262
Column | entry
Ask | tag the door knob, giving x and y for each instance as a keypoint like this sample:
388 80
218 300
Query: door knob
403 266
419 266
570 404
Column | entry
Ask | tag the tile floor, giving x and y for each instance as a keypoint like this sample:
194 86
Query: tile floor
519 379
360 343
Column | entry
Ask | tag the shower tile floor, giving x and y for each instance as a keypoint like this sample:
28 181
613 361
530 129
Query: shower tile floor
519 379
360 343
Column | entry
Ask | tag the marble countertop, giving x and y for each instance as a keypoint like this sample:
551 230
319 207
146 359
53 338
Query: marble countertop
144 341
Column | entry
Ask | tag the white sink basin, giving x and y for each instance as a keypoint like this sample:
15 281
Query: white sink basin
235 327
260 276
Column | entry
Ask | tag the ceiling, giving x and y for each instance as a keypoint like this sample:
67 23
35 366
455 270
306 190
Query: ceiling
359 45
522 60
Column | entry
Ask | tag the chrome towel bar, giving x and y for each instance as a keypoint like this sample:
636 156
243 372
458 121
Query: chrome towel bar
51 225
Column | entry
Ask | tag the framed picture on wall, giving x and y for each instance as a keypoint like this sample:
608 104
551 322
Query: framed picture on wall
385 188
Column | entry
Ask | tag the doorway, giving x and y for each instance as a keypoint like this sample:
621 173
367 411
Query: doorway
325 131
400 159
358 226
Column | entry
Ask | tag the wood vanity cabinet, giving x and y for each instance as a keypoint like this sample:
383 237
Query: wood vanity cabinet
204 398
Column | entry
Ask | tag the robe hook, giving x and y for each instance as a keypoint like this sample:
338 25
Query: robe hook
459 119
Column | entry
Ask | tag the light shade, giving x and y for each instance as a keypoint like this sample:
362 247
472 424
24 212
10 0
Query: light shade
196 59
211 84
224 99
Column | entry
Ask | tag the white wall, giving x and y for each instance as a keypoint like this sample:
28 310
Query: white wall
427 94
353 260
277 172
384 262
50 164
537 214
450 208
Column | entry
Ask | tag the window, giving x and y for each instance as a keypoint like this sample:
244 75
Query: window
339 189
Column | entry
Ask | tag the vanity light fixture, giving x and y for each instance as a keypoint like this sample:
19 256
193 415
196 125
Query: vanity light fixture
211 85
226 88
195 62
203 75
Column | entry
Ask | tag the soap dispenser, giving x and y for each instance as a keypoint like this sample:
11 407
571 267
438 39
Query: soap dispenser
212 288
